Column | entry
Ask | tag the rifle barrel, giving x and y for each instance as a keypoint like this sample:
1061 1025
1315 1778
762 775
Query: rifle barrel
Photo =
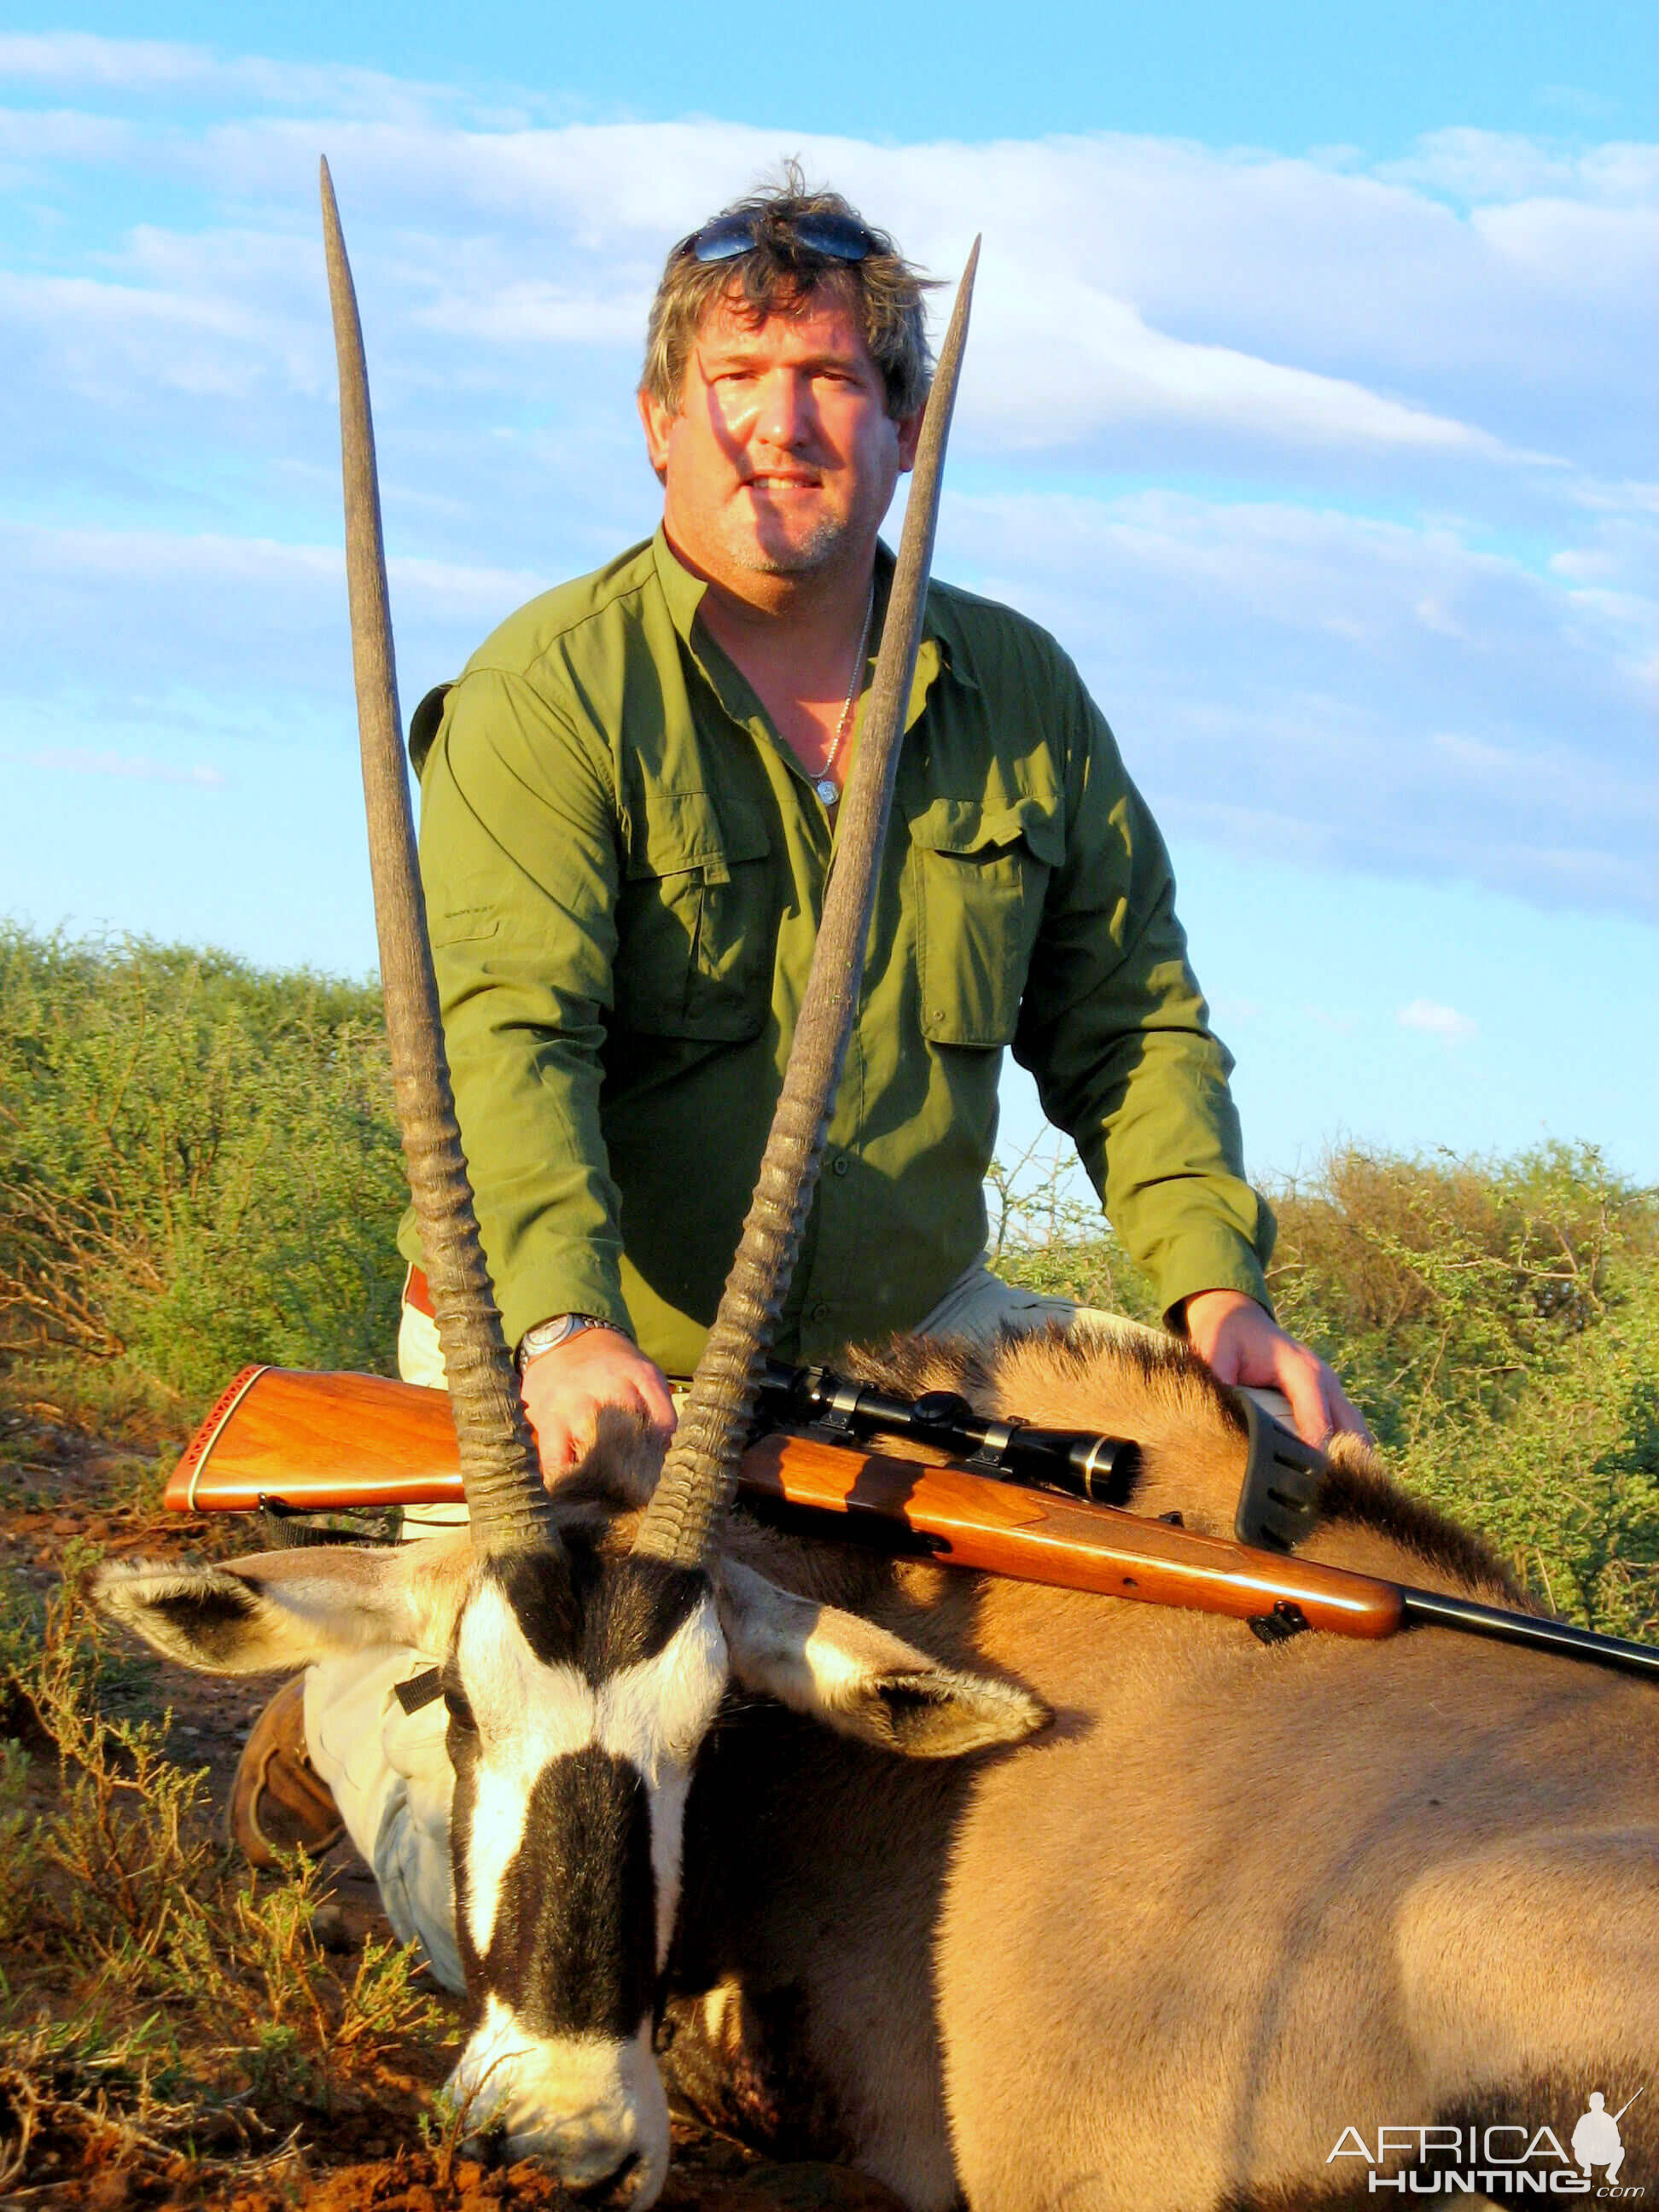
331 1442
1530 1628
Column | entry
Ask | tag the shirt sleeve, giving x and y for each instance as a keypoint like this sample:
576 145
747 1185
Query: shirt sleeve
519 864
1116 1030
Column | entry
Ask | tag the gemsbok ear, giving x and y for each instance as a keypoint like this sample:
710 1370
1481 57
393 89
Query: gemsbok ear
284 1609
866 1683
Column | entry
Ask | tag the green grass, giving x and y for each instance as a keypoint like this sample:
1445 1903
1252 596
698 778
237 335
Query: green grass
198 1168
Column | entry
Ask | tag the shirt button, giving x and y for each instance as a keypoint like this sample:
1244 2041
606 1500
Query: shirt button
821 1310
842 1163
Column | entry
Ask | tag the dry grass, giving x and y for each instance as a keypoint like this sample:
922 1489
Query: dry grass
198 1168
160 2001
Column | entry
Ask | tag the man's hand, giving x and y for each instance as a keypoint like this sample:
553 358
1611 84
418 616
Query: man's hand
564 1389
1241 1342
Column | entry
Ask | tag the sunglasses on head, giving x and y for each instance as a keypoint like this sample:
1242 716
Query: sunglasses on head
728 236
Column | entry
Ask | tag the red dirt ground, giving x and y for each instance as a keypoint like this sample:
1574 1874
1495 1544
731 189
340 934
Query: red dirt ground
57 1485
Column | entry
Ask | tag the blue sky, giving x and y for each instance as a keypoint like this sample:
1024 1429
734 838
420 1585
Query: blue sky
1309 401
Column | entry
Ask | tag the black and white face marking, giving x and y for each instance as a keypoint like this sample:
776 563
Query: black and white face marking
579 1690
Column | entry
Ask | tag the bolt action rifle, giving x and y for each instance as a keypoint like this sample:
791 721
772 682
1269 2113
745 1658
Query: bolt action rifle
1033 1503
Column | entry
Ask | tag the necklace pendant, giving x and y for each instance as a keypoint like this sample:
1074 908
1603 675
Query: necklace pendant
825 787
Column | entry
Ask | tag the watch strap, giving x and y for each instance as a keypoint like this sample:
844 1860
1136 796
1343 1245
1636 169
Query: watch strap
557 1329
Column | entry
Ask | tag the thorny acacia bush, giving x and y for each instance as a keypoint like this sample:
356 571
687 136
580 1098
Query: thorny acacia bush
155 1993
1498 1320
198 1168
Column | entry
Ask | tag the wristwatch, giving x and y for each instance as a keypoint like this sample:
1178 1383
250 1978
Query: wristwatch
555 1330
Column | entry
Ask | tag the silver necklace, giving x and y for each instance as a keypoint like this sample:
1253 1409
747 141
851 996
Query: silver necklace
824 782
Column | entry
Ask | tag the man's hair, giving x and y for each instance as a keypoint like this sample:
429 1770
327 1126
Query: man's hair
779 275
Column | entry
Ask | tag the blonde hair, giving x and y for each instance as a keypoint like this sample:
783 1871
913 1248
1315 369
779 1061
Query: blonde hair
779 275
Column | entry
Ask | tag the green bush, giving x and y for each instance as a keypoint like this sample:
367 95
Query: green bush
1497 1320
198 1167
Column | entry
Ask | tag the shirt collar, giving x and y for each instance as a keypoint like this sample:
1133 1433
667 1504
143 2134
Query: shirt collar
943 646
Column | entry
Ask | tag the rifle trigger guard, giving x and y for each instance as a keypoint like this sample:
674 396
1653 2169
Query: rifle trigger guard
1285 1621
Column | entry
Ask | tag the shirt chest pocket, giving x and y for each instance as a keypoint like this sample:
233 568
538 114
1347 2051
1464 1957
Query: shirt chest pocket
695 923
980 876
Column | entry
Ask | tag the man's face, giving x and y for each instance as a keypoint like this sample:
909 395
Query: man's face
782 457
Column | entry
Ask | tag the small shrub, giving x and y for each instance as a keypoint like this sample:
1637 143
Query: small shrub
1497 1320
198 1167
1047 1238
159 1995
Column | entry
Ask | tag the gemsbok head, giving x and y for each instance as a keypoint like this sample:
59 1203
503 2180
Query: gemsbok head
580 1681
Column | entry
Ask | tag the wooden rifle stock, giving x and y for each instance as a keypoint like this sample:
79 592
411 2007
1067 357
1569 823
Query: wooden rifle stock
329 1443
334 1441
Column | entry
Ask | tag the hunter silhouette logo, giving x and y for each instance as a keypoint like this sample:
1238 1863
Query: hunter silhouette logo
1500 2160
1595 2139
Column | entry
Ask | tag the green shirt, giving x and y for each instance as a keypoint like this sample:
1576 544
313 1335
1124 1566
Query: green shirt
624 867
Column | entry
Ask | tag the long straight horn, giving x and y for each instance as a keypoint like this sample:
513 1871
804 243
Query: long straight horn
504 1492
682 1520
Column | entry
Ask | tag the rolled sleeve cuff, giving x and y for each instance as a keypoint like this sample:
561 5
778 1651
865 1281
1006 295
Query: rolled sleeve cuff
570 1279
539 1293
1208 1260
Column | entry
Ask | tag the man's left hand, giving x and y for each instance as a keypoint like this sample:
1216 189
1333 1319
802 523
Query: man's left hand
1242 1343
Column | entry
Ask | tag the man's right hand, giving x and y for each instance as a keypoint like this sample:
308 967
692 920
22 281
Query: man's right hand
564 1389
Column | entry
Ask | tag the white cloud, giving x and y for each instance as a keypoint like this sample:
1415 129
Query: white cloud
1270 673
1436 1020
125 767
1361 623
81 58
153 557
1484 165
479 591
150 68
1061 362
29 134
1594 252
160 556
530 311
101 334
1128 284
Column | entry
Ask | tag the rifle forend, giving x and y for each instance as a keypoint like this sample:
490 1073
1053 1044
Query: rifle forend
323 1443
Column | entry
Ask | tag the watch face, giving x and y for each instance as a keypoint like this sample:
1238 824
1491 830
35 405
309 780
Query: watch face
547 1334
543 1338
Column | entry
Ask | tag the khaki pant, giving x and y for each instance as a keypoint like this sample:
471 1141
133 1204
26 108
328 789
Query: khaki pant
388 1770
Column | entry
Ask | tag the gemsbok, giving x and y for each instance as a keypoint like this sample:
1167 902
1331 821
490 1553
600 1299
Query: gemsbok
1073 1903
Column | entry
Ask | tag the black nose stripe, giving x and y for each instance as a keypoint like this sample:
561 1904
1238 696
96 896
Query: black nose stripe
573 1949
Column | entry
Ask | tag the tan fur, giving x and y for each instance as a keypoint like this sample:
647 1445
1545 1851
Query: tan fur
286 1609
1237 1898
1234 1900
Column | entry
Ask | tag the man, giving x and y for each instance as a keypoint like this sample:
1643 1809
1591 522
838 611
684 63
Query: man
629 804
